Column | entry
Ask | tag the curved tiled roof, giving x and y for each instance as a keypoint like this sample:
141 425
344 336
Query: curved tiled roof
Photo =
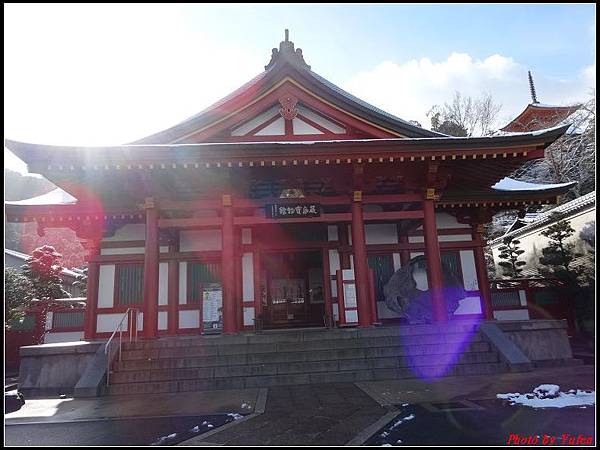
286 57
566 209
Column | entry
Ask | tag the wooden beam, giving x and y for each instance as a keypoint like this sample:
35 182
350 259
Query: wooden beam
211 222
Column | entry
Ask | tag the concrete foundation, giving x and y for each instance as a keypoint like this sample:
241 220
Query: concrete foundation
54 369
539 340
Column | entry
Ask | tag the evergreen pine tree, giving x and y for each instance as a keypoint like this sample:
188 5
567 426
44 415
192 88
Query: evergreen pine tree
509 253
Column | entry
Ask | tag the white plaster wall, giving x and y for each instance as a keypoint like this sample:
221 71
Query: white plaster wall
397 261
130 250
533 242
329 125
334 265
248 316
522 297
189 318
106 286
183 282
247 277
276 128
66 336
200 240
163 317
129 232
454 237
469 272
122 251
512 314
336 311
351 316
106 323
381 233
469 305
256 121
442 238
334 261
301 127
420 277
163 283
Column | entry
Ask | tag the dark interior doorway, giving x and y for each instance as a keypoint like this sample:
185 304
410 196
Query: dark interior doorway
292 286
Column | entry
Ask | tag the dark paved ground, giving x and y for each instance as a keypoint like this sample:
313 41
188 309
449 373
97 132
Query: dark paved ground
491 425
112 432
328 414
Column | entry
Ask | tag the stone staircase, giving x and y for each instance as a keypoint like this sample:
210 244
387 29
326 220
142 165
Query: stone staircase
302 357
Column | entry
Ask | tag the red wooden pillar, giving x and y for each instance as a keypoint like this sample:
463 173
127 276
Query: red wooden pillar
344 244
404 253
257 290
173 314
435 279
361 268
373 299
482 275
228 267
92 291
327 287
151 252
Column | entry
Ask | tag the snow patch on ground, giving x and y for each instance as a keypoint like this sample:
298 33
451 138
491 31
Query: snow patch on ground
161 440
400 421
550 396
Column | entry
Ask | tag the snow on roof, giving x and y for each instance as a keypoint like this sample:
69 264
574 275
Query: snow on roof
546 105
577 124
585 201
509 184
16 254
55 197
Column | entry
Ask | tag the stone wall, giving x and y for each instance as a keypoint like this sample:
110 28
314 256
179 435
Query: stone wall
539 340
54 369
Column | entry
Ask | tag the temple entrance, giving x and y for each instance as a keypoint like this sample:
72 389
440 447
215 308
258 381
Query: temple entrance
292 289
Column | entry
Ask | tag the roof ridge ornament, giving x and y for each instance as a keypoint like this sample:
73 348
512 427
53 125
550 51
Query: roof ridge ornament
287 53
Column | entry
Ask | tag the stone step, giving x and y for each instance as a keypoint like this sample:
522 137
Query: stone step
312 345
242 382
298 367
291 336
296 356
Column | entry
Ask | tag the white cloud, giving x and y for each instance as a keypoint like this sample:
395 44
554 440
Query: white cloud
92 74
410 89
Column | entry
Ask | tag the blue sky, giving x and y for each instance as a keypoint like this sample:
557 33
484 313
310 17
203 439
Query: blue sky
343 39
109 74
